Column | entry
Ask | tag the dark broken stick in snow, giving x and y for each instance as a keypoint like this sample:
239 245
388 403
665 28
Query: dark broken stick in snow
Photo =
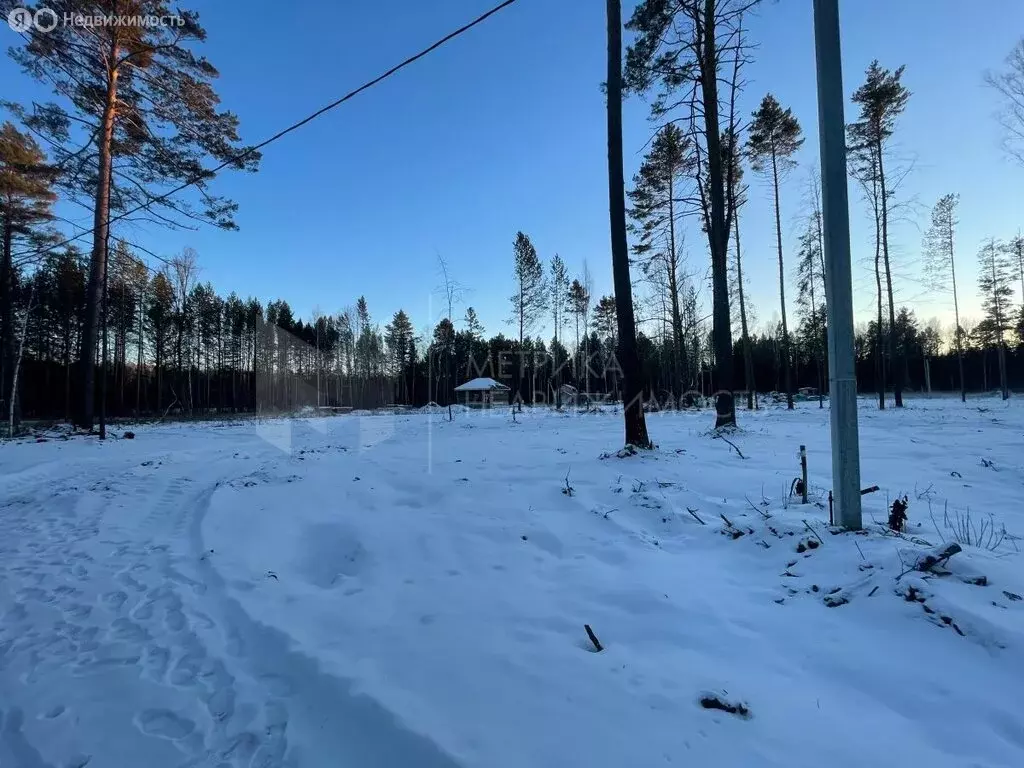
730 442
593 638
693 513
930 560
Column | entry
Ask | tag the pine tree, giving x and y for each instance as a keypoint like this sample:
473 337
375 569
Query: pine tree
737 194
398 335
882 98
161 322
68 305
144 104
628 357
940 266
26 197
442 348
659 202
531 298
558 284
774 139
994 283
676 52
1016 249
473 325
579 303
811 297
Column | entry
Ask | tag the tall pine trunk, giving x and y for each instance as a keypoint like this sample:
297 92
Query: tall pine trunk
725 407
633 409
879 341
896 362
787 373
1001 349
519 368
673 285
748 355
879 360
956 317
98 261
138 358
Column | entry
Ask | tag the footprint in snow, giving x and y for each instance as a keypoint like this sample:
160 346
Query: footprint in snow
164 723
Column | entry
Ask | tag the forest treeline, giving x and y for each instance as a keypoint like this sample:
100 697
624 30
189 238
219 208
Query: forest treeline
175 345
126 332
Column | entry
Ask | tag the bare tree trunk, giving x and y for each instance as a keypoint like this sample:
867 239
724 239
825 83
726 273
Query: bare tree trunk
956 315
97 263
879 361
11 411
103 359
718 230
6 312
787 373
896 363
673 286
633 409
138 358
519 368
748 355
879 357
1001 352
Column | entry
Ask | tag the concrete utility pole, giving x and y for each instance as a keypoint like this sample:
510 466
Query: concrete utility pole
838 289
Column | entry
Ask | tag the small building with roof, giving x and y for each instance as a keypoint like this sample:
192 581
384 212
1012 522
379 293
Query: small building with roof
482 392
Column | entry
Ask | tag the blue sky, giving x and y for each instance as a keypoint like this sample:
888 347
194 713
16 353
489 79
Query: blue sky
504 129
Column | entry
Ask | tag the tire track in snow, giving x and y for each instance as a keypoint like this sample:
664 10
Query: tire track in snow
332 725
113 621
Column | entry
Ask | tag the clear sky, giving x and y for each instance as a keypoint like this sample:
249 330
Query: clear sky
504 129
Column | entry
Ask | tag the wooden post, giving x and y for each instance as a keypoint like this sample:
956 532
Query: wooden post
803 472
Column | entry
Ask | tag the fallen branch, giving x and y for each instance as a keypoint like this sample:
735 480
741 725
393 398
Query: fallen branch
730 442
761 512
693 513
933 559
593 638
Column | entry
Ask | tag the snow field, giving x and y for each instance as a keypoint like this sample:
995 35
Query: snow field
403 590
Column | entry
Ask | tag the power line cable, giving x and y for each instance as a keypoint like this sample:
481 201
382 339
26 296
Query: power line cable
208 174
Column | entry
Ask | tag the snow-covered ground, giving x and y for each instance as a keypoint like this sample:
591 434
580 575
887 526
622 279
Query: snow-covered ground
404 591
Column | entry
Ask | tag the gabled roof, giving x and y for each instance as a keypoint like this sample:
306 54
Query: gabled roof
482 385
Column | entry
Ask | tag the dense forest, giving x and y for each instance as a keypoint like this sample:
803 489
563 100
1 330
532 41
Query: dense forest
175 346
125 332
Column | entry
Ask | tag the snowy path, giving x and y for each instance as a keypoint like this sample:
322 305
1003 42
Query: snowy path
401 592
113 616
